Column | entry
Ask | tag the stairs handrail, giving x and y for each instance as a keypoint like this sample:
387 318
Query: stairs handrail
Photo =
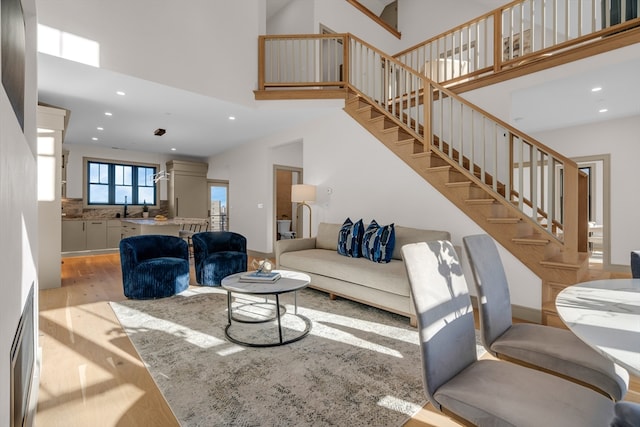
496 155
402 98
511 35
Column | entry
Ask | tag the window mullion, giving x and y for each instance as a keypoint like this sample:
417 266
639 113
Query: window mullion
112 184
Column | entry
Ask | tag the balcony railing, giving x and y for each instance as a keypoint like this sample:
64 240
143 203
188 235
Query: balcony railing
540 182
519 32
513 166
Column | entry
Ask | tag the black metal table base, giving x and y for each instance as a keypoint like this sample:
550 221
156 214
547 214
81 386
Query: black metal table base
280 311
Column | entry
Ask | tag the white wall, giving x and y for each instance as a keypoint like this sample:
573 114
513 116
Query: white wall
366 179
18 211
78 151
294 18
306 16
342 17
621 139
419 20
187 45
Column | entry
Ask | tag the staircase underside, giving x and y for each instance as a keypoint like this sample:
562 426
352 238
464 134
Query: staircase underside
540 252
514 230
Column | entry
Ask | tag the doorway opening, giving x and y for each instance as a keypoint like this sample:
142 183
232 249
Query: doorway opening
598 207
219 205
285 216
597 169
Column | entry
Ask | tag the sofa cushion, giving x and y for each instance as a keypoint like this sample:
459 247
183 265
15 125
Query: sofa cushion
391 277
378 242
406 235
350 238
327 237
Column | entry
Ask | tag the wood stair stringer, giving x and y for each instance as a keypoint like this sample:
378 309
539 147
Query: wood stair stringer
495 215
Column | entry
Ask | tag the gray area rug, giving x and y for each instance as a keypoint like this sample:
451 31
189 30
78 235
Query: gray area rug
359 366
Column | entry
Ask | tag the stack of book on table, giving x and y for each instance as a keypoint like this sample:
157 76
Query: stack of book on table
259 276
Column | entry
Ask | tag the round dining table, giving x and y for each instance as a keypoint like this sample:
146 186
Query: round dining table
605 314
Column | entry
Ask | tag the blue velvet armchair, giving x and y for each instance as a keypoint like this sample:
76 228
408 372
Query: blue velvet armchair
154 266
218 254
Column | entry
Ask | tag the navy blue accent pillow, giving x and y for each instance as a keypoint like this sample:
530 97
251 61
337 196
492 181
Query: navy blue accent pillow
350 238
378 242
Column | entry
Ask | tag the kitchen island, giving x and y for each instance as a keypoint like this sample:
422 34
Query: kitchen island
140 226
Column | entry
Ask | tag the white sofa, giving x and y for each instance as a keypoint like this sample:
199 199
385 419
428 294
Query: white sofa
382 285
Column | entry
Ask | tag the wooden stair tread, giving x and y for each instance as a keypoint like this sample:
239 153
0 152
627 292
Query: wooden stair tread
444 168
390 129
421 154
459 184
573 262
480 201
534 239
363 109
409 140
400 135
504 220
375 119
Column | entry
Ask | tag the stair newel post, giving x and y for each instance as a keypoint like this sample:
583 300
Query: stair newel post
497 40
570 201
261 61
427 104
346 74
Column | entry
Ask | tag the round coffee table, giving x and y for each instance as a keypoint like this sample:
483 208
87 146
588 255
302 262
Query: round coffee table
290 281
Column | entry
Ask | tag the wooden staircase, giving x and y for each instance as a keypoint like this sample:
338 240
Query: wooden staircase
503 221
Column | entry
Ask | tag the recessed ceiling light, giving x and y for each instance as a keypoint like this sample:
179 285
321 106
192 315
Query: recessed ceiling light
173 149
94 139
121 93
232 118
100 128
596 89
108 114
603 110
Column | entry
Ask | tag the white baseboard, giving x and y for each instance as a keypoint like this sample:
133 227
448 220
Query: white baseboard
519 312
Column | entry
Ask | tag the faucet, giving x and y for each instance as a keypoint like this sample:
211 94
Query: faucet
125 206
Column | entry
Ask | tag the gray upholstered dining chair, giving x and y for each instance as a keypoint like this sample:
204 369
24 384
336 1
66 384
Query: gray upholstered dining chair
635 264
482 392
554 350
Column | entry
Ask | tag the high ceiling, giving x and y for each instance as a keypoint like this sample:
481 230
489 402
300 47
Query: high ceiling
196 125
199 126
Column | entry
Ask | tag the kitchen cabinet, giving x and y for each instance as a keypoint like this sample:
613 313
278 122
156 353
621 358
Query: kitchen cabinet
96 234
114 233
73 236
187 189
90 235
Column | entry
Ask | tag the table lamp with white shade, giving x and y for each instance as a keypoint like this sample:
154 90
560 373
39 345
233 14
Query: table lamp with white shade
303 193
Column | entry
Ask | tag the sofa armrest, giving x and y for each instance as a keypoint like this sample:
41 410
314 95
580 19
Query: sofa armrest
292 245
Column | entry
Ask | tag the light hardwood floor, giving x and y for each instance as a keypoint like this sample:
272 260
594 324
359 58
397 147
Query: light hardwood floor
91 374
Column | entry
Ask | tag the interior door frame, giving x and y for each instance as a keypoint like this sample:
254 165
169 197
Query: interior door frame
218 183
606 201
274 213
604 198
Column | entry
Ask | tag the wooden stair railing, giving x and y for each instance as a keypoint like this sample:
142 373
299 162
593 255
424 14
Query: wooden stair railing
500 219
476 140
501 178
507 41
